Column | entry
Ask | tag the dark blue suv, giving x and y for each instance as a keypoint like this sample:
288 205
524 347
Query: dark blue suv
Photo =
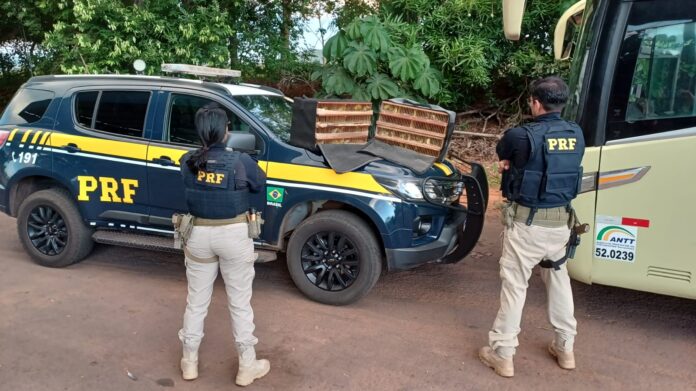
95 159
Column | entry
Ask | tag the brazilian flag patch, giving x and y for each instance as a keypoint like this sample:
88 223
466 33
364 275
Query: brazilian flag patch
274 195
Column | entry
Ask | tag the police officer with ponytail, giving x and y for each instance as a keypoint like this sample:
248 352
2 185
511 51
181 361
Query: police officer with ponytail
541 167
217 182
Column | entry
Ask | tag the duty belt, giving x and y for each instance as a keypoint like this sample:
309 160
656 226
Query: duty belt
543 217
201 222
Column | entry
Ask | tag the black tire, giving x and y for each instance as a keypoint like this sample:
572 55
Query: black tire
51 229
334 258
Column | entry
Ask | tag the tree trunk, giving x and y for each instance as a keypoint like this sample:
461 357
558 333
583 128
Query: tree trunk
286 26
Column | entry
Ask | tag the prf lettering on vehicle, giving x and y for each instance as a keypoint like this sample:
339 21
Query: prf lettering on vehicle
562 144
110 188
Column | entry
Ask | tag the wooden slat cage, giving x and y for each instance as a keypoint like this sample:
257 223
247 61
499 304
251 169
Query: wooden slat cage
343 122
412 127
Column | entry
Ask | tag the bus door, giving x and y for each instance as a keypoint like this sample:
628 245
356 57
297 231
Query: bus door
645 217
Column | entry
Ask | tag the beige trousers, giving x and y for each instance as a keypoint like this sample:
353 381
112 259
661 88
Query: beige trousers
235 250
523 248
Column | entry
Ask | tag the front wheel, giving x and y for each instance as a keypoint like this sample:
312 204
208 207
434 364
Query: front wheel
51 229
334 258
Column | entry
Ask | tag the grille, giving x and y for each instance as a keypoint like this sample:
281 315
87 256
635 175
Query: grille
662 272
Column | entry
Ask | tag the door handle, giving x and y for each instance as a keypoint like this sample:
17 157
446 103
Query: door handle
164 161
72 148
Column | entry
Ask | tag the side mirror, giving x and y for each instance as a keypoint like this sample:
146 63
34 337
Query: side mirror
242 141
565 30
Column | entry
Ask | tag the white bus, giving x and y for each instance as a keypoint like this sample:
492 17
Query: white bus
633 91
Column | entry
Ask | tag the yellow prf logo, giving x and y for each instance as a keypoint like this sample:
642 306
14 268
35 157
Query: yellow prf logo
212 178
109 189
562 144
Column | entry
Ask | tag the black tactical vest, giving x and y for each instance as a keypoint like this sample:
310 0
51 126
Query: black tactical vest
552 176
215 193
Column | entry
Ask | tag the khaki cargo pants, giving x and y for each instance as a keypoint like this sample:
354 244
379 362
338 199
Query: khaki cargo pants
523 248
235 252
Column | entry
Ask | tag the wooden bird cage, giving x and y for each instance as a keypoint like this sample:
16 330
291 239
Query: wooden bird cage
417 128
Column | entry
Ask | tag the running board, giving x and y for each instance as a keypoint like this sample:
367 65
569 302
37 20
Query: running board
157 243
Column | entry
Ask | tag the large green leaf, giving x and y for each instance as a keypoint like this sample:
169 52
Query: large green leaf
337 81
360 59
353 29
407 65
382 87
374 34
360 93
428 82
335 46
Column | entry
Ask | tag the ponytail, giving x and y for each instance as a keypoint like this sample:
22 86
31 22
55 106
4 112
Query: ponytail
211 125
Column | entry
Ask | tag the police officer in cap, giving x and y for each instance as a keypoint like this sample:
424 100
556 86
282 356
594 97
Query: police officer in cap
541 167
218 182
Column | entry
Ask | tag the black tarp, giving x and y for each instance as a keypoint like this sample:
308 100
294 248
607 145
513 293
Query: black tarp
304 122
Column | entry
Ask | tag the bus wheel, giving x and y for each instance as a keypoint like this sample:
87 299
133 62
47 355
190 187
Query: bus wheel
334 258
51 230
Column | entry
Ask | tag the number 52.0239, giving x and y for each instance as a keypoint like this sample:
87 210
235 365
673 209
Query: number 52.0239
24 157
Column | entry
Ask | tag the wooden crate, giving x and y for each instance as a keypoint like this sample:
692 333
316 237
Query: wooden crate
343 122
419 129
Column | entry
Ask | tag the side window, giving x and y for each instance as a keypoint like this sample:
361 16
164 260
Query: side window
181 127
85 103
27 107
654 88
122 112
662 85
118 112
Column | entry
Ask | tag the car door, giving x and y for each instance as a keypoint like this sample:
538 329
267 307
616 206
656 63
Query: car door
644 212
175 135
99 150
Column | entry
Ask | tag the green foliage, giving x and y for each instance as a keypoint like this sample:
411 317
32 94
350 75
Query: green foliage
360 59
157 32
381 87
464 40
369 61
407 65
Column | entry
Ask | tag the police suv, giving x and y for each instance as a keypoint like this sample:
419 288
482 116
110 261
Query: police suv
94 158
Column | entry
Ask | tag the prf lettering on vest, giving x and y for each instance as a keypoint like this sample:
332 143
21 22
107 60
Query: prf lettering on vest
109 189
562 144
213 178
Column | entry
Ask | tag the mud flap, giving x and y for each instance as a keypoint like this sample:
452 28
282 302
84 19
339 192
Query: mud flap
469 232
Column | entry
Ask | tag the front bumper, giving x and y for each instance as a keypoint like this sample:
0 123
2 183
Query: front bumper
407 258
458 237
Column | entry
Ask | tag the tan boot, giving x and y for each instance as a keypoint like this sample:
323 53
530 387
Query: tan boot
502 366
189 364
250 368
565 360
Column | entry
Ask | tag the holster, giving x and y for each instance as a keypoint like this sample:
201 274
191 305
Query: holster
255 222
183 226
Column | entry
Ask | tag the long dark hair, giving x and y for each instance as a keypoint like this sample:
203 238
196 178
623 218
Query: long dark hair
211 125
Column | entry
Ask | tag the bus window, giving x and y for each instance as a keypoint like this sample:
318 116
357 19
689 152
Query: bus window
655 81
662 84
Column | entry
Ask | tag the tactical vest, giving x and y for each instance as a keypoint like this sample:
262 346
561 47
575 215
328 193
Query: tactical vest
214 193
553 173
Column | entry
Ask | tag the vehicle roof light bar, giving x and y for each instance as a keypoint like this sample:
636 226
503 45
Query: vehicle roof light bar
198 70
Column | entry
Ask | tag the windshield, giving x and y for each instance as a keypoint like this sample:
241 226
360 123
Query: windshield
273 110
582 46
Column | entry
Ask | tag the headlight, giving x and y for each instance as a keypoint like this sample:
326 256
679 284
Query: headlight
442 191
409 189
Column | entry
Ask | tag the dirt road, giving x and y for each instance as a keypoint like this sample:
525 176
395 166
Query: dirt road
87 326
